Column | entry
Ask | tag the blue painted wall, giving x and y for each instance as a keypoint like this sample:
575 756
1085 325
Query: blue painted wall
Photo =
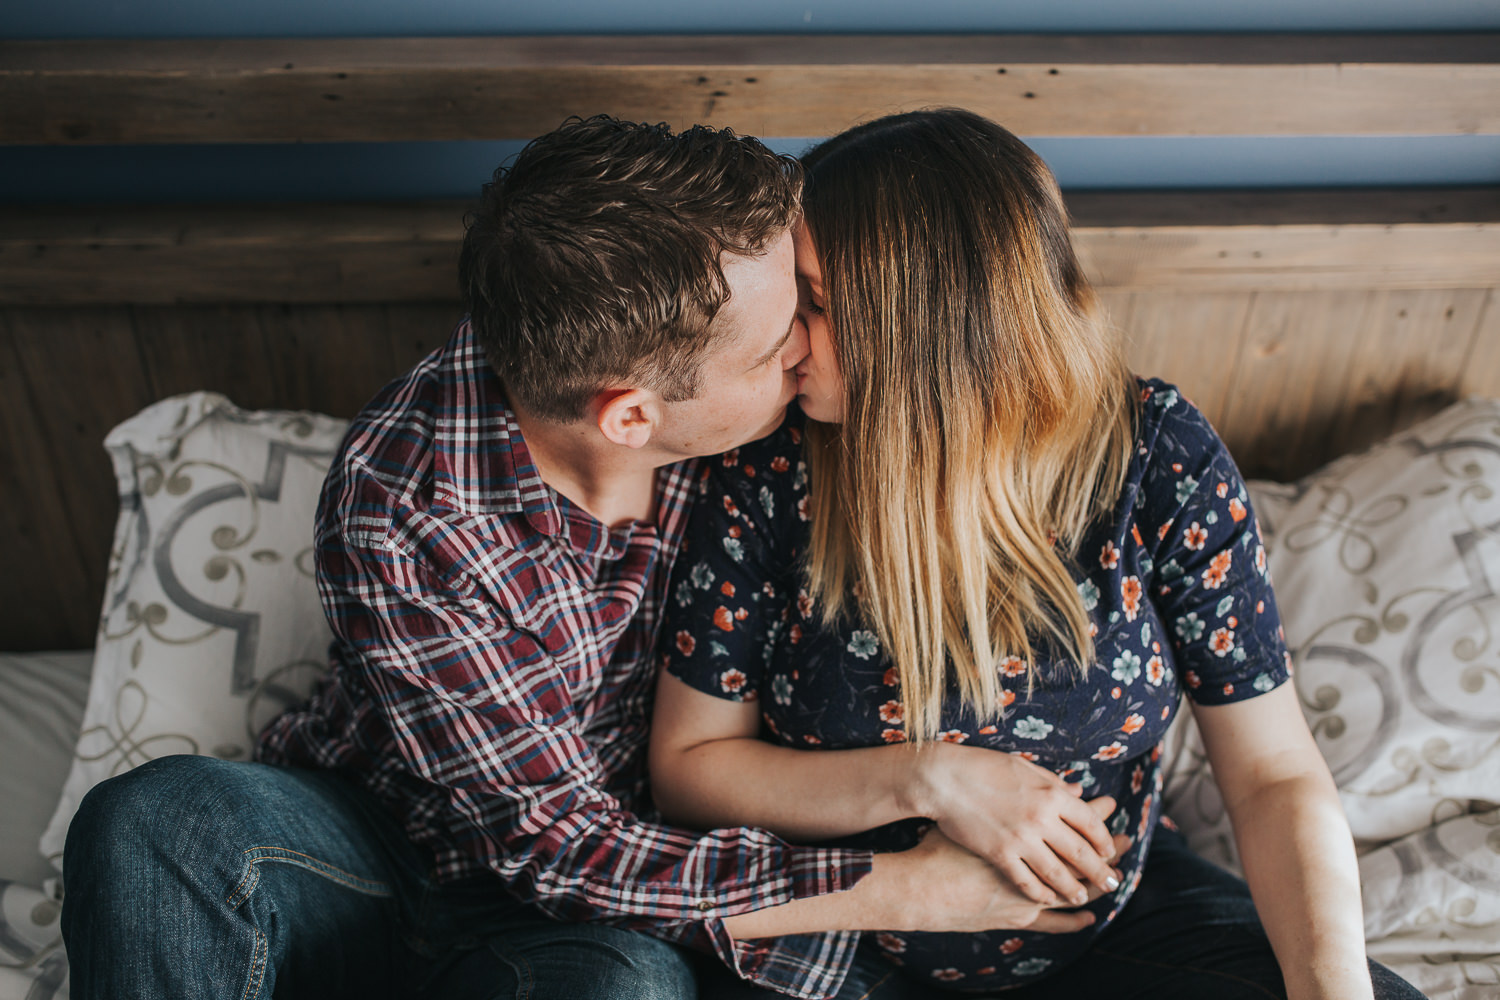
449 169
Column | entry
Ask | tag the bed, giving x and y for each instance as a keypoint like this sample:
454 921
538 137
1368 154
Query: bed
174 380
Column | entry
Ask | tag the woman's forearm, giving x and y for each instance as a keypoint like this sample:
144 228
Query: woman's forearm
1299 860
796 794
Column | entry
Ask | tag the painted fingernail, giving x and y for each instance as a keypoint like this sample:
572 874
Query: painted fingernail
1111 883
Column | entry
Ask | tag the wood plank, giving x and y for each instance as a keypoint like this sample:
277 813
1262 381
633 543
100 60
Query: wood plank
84 375
47 584
317 90
1290 379
384 253
1481 370
1191 340
241 253
214 348
1407 365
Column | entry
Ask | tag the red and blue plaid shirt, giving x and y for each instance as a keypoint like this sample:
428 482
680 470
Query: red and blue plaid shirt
491 679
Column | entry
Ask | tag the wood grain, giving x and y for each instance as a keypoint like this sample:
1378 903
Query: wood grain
310 90
385 253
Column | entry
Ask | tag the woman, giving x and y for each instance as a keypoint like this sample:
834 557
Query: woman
987 534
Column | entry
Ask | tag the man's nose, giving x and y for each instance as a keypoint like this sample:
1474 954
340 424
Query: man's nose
796 348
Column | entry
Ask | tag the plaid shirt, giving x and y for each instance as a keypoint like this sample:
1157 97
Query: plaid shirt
491 680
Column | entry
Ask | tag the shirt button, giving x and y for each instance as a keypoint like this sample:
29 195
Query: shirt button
704 906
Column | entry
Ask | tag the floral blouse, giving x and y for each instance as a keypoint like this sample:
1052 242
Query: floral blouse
1175 583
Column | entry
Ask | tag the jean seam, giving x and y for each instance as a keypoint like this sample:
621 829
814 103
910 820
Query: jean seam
258 961
257 855
1193 968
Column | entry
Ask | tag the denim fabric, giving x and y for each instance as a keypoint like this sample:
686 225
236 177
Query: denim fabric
1190 932
191 877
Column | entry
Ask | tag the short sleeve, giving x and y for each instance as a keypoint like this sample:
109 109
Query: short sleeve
1212 586
732 582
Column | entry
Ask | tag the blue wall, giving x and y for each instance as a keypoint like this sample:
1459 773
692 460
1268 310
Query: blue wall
455 169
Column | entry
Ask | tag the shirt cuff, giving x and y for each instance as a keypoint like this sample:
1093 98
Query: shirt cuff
812 966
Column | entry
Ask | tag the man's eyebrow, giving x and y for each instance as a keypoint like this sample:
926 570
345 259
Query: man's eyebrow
777 346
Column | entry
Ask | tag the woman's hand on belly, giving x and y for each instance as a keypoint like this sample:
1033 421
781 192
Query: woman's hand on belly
1030 824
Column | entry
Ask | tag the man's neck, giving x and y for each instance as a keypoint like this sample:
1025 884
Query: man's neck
615 484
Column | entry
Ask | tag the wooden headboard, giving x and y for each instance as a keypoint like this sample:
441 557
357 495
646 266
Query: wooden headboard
1304 323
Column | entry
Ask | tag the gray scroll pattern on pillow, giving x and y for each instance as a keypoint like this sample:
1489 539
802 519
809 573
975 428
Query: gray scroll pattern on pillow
1386 565
32 961
211 624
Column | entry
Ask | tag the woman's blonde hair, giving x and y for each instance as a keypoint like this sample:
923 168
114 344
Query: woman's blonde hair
989 414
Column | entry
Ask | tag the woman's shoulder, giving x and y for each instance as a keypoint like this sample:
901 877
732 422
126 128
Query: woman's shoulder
1173 431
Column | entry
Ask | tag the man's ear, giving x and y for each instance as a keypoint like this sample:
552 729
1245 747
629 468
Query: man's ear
628 416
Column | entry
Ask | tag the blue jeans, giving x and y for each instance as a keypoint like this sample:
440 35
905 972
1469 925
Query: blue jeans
1190 932
191 877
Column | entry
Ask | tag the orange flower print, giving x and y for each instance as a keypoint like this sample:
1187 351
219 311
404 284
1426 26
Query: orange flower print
1156 753
723 619
1136 777
732 681
988 730
1145 824
893 713
1012 666
780 464
794 634
1213 577
726 588
1115 749
988 970
1222 490
1133 724
893 736
1191 679
1010 946
795 433
1025 755
891 678
804 604
802 509
1236 510
734 531
731 458
730 508
1222 641
953 736
1161 533
1007 698
890 943
686 643
947 975
1176 466
1130 596
1228 690
1194 536
1115 692
811 739
1135 532
1109 556
1156 670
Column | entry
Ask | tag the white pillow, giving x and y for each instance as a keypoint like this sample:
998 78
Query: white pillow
211 622
40 712
1386 565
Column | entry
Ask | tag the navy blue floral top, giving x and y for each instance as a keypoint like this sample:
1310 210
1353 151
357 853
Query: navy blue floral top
1174 581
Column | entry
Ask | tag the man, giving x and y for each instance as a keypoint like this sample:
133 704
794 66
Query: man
462 809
